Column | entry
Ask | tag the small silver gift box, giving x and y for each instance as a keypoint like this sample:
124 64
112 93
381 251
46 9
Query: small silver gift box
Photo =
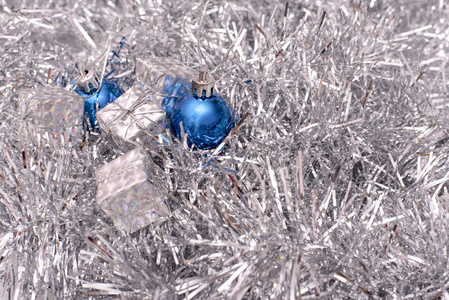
132 119
167 79
130 193
53 110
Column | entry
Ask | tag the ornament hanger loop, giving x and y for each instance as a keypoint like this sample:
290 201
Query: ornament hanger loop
204 83
87 78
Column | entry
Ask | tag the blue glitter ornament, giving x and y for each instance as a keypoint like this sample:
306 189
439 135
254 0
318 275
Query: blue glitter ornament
206 119
96 97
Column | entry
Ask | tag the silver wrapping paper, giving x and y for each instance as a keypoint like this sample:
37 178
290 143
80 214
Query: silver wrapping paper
133 119
51 114
164 78
130 194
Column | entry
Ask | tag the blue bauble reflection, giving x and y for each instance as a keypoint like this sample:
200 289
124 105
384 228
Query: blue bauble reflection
109 91
206 120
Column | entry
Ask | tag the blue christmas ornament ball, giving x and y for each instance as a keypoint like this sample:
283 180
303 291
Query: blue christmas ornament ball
108 92
206 120
174 89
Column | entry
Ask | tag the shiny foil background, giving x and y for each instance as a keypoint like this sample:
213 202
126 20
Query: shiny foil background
333 186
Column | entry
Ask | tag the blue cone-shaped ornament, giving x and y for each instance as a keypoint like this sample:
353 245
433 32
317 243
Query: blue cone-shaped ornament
206 119
95 96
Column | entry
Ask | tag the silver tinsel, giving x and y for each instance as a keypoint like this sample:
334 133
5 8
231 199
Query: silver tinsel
333 184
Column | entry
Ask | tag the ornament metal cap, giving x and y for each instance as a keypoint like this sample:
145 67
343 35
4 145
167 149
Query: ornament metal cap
87 79
205 83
